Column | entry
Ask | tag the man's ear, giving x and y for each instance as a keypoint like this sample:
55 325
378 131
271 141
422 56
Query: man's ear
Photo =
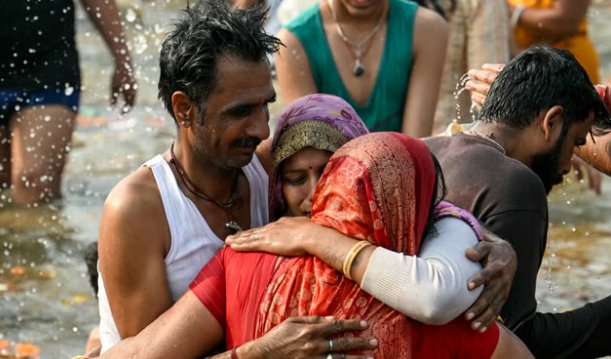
183 107
551 126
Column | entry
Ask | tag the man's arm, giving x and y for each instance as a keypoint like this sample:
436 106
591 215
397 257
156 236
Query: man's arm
299 236
526 231
132 248
425 77
187 330
598 154
560 20
105 16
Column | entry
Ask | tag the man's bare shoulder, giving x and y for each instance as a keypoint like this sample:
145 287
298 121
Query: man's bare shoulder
133 211
137 193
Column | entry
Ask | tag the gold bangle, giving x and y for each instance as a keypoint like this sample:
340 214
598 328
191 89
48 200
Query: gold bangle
352 255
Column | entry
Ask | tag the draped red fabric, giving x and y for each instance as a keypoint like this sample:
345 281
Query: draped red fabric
378 188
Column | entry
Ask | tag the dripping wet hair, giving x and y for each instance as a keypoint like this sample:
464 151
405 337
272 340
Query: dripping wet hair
206 32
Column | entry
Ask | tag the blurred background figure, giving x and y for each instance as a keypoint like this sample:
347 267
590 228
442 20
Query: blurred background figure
383 57
40 89
479 34
559 23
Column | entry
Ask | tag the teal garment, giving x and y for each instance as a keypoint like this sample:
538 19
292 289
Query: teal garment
384 110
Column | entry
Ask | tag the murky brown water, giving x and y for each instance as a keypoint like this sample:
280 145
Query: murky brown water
45 297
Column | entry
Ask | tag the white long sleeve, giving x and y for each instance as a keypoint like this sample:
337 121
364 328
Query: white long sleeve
431 288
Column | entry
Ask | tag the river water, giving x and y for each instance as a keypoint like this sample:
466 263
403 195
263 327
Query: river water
45 296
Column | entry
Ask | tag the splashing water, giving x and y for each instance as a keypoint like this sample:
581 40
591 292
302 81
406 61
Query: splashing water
460 88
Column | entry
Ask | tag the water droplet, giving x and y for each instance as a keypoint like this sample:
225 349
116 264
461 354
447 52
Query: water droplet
69 90
131 15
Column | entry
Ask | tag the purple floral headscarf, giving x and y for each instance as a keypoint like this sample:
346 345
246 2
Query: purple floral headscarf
324 122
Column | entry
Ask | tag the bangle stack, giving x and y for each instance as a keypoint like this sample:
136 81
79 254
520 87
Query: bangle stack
352 255
517 14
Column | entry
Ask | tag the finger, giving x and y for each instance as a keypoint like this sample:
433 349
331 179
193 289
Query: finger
483 76
241 236
253 237
341 326
344 356
114 95
130 97
478 88
346 344
478 99
484 320
254 246
312 319
483 302
493 67
488 317
474 254
487 275
476 281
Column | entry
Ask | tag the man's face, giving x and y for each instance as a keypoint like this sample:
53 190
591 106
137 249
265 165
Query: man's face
552 165
236 115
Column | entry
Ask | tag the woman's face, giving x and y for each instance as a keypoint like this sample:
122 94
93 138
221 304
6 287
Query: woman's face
299 175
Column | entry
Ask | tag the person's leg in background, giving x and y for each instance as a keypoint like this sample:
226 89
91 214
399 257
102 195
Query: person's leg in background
41 137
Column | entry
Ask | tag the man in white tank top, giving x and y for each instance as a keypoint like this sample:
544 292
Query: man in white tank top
164 222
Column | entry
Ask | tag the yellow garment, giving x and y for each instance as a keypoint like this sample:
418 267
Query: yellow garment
580 45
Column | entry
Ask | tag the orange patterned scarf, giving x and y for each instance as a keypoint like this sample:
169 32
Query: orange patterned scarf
378 188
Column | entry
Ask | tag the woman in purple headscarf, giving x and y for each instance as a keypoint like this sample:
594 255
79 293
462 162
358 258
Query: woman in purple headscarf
308 132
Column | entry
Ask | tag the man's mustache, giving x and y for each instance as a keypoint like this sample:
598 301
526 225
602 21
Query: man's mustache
248 142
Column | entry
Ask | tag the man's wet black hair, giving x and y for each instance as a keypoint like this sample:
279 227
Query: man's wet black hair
539 79
207 32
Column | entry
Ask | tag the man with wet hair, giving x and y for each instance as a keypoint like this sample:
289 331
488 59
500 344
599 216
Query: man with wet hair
165 221
539 109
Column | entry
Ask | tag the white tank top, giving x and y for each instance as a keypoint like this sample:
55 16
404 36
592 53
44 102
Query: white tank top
193 243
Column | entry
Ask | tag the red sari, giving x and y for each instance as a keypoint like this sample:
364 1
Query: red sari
378 188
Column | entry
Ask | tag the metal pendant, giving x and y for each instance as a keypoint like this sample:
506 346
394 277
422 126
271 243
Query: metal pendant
358 68
233 227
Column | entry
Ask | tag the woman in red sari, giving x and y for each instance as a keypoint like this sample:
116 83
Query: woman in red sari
378 188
